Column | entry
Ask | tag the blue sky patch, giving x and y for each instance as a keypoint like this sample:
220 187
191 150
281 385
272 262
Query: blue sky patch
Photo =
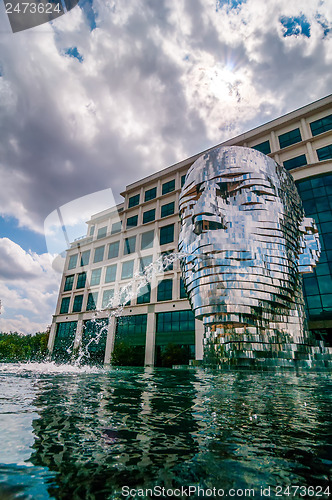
73 52
230 4
324 24
86 6
28 240
295 26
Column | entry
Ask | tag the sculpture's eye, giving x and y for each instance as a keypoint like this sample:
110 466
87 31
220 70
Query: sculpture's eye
223 189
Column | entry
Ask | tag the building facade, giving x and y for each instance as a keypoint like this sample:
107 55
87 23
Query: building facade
121 242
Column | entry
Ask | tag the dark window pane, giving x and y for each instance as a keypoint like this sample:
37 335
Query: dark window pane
133 201
81 280
129 245
149 216
85 258
167 209
164 291
325 153
168 187
183 294
72 262
132 221
167 234
64 305
289 138
183 180
99 254
92 301
144 294
322 125
78 300
263 147
298 161
150 194
69 283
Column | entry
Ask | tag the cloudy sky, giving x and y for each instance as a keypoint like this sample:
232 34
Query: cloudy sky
115 90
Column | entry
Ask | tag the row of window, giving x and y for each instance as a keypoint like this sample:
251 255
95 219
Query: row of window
164 292
151 194
150 215
166 235
294 136
324 153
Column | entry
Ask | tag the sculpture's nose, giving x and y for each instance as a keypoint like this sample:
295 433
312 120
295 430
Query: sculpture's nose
207 214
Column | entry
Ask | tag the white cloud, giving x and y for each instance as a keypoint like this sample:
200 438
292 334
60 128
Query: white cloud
28 289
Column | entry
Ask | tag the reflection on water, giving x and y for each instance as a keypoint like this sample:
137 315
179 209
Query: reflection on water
90 432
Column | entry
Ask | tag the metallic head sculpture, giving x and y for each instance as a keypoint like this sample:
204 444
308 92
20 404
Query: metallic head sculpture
245 241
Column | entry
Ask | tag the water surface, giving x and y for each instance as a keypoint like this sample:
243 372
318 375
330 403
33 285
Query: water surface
84 433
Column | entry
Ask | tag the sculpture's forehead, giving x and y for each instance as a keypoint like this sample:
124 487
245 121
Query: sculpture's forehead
232 164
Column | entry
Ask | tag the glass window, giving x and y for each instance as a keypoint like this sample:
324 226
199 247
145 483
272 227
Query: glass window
64 340
127 269
145 262
108 296
64 305
298 161
102 232
149 216
81 280
113 250
183 294
147 240
176 321
167 209
183 179
168 186
99 254
72 262
116 227
144 294
110 274
92 301
289 138
167 263
85 258
130 245
124 296
263 147
95 277
323 153
322 125
164 291
69 282
131 329
132 221
92 230
133 201
150 194
78 300
167 234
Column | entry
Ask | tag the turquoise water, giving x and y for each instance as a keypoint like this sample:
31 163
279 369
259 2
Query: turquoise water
86 433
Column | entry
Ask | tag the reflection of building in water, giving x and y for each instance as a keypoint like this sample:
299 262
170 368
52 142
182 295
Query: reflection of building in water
99 432
123 241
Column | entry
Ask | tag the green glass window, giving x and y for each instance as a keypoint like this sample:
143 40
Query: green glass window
69 282
167 234
131 329
145 262
183 294
99 254
64 305
92 329
150 194
108 296
298 161
116 227
132 221
167 209
85 258
263 147
102 232
183 179
289 138
169 186
81 280
92 301
92 230
323 153
78 300
177 327
133 201
95 276
164 291
149 216
64 340
72 262
147 240
322 125
124 294
144 294
130 245
110 274
113 250
127 269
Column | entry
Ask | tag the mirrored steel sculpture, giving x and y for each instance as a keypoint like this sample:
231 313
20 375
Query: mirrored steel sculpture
245 241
